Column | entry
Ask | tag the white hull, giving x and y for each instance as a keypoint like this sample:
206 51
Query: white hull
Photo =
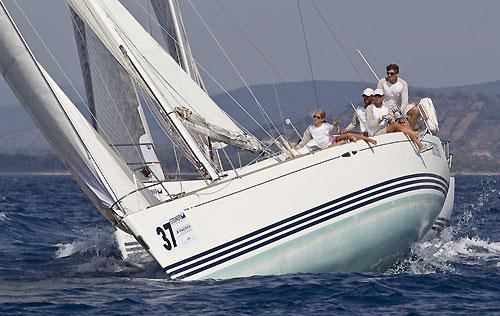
316 213
445 213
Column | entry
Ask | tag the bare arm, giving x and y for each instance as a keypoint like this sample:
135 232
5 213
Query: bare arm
335 129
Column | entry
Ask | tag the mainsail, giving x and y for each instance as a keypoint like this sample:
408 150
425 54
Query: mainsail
153 68
101 173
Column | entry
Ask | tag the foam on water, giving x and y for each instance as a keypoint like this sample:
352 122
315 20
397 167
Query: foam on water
66 250
3 216
449 251
95 251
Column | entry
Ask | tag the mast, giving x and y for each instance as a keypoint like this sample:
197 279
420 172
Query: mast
177 28
170 19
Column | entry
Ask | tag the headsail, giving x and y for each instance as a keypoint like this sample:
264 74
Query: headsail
116 111
101 173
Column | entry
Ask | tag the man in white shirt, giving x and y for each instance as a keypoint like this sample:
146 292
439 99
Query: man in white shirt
396 94
360 114
380 121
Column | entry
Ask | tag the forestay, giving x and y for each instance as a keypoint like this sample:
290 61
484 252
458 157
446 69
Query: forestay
100 172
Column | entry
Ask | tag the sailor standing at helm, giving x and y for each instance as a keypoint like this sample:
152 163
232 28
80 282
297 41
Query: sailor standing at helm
396 94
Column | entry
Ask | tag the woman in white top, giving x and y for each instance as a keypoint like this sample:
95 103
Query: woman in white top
327 135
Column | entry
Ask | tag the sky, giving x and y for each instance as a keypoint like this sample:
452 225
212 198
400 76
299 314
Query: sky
437 43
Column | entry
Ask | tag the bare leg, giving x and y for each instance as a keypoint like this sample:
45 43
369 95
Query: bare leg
337 143
396 127
413 113
355 137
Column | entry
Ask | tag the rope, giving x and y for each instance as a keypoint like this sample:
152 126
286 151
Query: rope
308 55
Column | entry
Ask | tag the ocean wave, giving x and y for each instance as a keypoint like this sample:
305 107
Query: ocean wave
3 216
447 254
95 252
66 250
95 241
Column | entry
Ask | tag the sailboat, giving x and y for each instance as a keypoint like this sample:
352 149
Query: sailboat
288 211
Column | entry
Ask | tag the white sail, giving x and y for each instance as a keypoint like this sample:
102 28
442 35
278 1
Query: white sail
100 172
144 58
116 111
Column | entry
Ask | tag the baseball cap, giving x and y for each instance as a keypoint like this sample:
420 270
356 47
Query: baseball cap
378 92
368 92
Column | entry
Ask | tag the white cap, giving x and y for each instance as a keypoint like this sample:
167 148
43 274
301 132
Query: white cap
378 92
368 92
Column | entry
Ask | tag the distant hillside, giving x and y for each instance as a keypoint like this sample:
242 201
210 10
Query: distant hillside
468 115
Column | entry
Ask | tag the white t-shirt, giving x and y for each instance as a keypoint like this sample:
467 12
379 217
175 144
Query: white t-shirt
392 93
378 113
322 135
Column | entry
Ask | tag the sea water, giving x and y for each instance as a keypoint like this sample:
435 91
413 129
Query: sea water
58 256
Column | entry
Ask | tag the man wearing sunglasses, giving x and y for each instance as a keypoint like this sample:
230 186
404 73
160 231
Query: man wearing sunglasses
380 121
396 94
361 114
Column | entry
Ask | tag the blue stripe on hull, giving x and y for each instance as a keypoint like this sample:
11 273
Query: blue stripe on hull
301 221
370 242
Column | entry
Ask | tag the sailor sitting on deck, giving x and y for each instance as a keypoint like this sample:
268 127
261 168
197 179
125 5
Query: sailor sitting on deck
396 92
379 121
360 114
325 134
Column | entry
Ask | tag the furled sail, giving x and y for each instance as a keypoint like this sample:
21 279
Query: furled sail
145 59
116 111
101 173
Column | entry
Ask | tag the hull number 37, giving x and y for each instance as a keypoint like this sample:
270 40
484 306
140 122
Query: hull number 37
176 232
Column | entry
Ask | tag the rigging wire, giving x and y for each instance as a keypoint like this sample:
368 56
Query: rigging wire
111 191
92 58
104 132
279 106
235 69
229 48
338 42
263 56
216 82
308 55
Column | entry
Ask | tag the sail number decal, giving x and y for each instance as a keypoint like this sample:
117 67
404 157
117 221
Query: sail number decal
176 232
161 232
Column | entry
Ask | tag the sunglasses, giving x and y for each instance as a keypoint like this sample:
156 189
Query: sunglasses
378 96
391 73
317 116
